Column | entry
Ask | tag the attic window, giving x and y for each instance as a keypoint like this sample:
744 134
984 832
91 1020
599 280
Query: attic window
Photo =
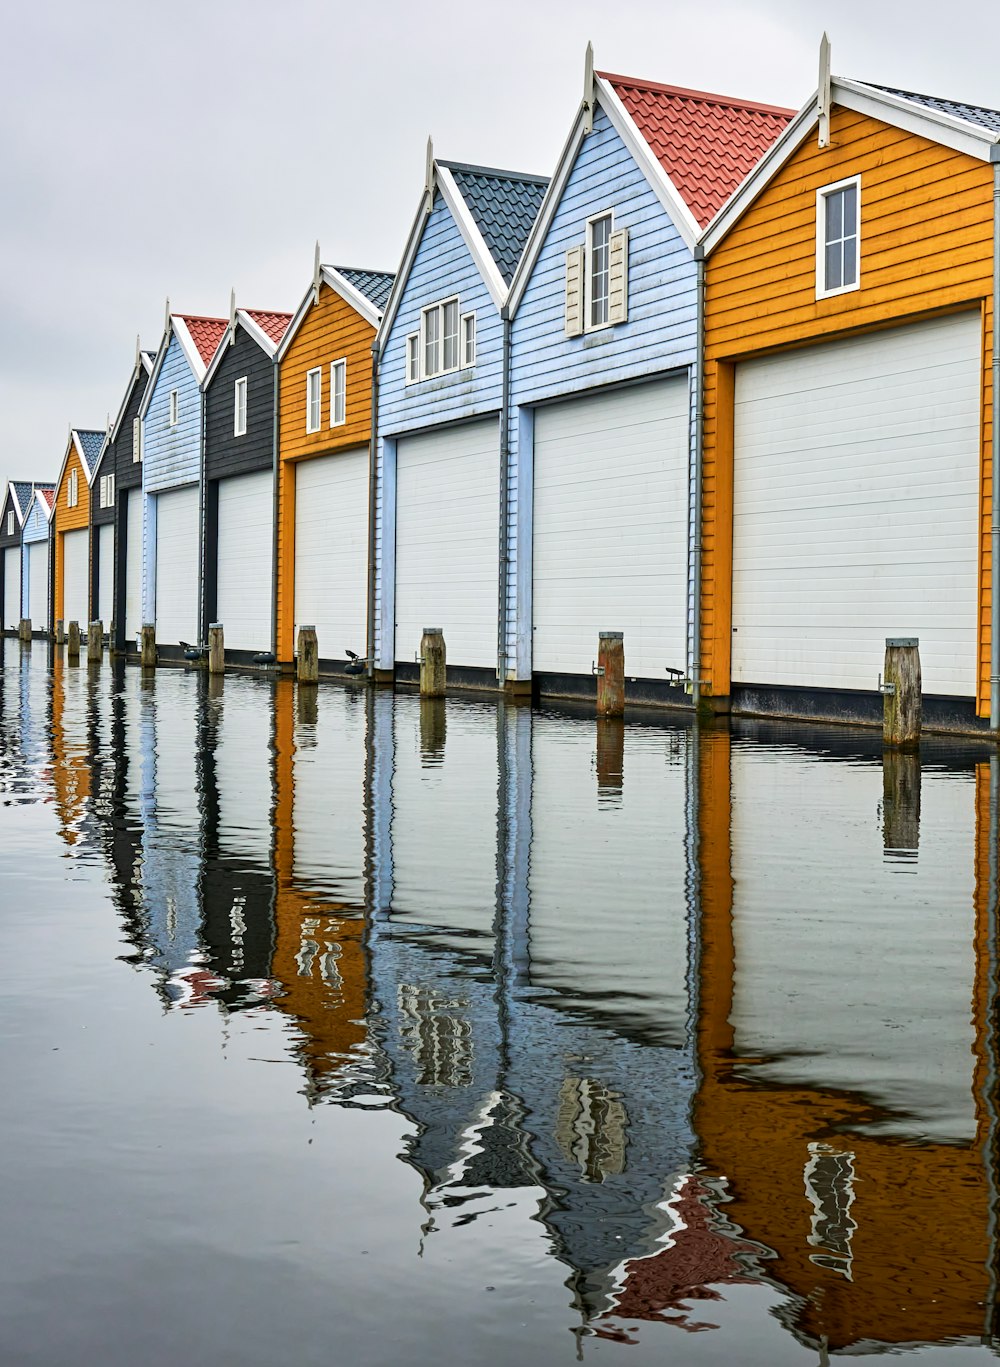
10 524
314 398
838 237
413 358
596 288
439 327
240 408
107 491
338 393
468 339
173 409
136 440
598 270
72 489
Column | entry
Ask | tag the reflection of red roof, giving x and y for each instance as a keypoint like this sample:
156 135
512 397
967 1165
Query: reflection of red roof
707 144
274 324
206 333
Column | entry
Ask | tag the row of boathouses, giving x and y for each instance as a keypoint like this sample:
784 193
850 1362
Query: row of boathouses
724 383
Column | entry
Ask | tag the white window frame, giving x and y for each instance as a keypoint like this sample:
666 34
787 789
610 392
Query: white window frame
10 524
107 491
822 195
464 339
136 440
588 326
72 489
338 410
439 307
316 374
240 407
413 358
174 408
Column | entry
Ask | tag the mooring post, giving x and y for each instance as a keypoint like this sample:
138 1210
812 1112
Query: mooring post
901 705
73 641
308 656
113 638
611 674
216 649
95 643
433 663
60 633
147 646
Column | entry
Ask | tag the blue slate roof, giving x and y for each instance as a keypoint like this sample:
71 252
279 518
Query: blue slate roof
22 492
971 113
504 205
374 285
91 442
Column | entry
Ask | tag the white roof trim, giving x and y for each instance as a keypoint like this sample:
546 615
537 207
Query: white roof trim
357 301
13 498
663 187
250 325
38 497
474 239
191 353
75 432
550 203
951 132
405 266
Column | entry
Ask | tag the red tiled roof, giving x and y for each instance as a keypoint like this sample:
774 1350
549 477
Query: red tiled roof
206 333
49 495
274 324
707 144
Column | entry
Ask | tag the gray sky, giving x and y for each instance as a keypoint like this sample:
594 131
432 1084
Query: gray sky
186 148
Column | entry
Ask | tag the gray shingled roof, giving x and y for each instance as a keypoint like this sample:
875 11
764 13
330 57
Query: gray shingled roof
91 442
374 285
22 492
971 113
504 205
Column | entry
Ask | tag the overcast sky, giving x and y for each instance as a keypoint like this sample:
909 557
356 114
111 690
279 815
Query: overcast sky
188 148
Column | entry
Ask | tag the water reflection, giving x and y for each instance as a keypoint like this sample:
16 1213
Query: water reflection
717 1012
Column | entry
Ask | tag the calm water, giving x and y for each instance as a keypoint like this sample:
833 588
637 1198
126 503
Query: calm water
365 1030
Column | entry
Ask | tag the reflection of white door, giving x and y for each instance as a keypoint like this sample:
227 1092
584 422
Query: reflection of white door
177 559
856 508
105 574
243 771
610 528
329 814
245 560
447 541
331 551
133 565
11 587
76 548
38 585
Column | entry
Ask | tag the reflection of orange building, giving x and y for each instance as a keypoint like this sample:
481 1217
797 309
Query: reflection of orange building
878 1240
320 959
70 761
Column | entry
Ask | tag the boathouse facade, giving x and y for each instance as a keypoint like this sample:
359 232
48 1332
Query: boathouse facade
71 528
36 556
15 510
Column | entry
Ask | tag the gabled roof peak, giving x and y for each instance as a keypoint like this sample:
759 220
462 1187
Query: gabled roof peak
704 96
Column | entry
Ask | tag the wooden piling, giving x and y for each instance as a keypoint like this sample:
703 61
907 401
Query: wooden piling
433 729
73 641
147 646
95 643
611 674
901 707
24 630
60 633
433 663
216 649
308 656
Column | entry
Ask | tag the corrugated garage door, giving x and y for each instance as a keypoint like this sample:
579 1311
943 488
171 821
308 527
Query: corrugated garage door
177 566
856 503
105 574
246 549
133 566
610 529
38 585
76 565
331 551
11 587
447 530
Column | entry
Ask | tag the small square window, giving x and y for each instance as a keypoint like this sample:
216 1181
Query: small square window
469 339
413 358
838 237
240 408
338 393
174 409
314 399
136 440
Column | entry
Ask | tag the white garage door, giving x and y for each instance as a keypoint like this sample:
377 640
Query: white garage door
610 536
76 559
243 594
11 587
856 505
447 532
105 574
331 551
133 565
177 566
38 585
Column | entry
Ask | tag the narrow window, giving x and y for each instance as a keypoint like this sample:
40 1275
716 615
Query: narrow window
338 393
174 409
240 408
71 490
469 339
136 440
450 318
103 502
838 229
10 524
314 396
598 276
413 358
111 491
432 341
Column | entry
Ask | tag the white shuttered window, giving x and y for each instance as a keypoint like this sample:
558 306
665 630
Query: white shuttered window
338 393
314 397
136 440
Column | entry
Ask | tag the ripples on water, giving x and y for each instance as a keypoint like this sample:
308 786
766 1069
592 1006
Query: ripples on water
360 1028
